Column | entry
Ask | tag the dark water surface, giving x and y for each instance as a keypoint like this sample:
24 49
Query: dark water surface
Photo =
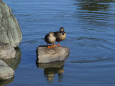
90 28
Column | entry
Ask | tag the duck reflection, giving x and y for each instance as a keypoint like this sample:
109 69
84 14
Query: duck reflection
52 70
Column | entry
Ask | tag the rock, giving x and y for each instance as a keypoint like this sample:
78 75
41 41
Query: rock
14 62
9 28
5 71
6 51
47 55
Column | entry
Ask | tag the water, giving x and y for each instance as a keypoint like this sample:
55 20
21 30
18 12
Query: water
90 29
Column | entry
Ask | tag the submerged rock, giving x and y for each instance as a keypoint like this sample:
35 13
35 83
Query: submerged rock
47 55
6 51
9 29
5 71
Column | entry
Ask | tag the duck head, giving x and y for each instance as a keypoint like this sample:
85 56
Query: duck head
51 34
62 30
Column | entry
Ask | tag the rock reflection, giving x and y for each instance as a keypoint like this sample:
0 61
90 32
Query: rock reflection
13 63
4 83
51 70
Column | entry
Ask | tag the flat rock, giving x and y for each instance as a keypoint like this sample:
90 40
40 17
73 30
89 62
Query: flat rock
48 55
6 51
5 71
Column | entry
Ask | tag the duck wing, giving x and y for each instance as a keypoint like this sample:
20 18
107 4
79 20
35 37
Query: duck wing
56 34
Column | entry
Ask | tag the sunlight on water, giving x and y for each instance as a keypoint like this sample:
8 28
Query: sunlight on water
90 29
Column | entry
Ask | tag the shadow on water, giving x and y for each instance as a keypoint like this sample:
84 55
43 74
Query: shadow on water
51 70
13 63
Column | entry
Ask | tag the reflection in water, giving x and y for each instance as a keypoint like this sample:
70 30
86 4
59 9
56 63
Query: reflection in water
13 63
51 70
3 83
94 5
93 11
50 73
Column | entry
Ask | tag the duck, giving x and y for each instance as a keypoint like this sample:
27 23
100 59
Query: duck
60 35
50 39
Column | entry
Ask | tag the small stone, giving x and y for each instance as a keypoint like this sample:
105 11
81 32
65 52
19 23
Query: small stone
5 71
48 55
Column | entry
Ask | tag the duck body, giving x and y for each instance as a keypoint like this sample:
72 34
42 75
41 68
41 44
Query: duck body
60 35
50 38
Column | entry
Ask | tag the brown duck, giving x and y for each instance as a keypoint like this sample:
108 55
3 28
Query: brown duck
60 35
50 39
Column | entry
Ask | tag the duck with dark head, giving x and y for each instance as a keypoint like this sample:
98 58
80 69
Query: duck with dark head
60 35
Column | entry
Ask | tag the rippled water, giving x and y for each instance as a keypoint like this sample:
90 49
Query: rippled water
90 28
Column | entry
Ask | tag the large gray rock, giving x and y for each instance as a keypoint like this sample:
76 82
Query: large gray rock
9 29
47 55
5 71
6 51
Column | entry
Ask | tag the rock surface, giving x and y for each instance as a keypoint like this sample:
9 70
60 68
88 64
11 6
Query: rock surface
5 71
9 29
14 62
6 51
47 55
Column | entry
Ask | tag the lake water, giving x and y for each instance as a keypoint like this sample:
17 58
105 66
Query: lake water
90 28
